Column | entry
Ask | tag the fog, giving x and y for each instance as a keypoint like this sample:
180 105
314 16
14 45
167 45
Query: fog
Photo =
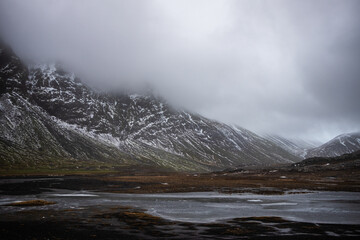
281 66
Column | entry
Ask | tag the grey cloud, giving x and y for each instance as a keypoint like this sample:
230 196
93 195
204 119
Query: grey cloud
283 66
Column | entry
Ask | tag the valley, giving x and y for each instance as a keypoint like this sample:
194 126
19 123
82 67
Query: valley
154 119
78 163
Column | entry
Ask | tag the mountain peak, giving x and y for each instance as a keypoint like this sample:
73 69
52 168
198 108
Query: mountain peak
342 144
142 128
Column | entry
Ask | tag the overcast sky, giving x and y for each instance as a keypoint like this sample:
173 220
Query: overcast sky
281 66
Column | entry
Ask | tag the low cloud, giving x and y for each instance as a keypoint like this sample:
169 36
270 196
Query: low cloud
282 66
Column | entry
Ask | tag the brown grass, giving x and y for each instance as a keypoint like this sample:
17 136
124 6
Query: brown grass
30 203
263 182
140 215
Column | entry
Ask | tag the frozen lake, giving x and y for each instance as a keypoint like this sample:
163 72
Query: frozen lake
202 207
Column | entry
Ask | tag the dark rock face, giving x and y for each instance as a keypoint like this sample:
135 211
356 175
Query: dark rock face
13 74
49 110
317 164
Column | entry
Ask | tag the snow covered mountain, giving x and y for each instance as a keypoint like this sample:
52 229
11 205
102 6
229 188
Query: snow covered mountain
342 144
49 116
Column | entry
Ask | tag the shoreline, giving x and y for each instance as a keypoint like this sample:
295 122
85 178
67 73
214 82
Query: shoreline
109 222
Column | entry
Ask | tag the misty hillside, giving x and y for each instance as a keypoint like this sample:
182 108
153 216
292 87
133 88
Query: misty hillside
296 147
49 117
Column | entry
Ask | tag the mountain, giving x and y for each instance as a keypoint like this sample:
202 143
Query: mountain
342 144
345 161
296 147
49 117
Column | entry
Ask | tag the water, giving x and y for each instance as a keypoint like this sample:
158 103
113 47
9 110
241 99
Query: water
203 207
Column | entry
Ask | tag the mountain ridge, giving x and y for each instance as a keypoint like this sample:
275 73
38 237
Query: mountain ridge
54 108
49 111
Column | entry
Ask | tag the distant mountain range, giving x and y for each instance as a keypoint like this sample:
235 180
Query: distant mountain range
342 144
50 119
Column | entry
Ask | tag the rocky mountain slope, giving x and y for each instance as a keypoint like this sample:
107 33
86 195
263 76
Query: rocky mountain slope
49 116
342 144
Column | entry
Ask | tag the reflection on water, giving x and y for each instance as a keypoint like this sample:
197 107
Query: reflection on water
317 207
